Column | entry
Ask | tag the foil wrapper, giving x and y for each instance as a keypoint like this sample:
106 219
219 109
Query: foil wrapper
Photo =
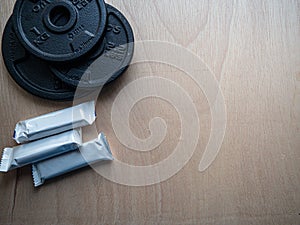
55 122
39 150
87 154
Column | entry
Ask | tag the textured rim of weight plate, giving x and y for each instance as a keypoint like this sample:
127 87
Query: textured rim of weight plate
50 57
20 80
127 60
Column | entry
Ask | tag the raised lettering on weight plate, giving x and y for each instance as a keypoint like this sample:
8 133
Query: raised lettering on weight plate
41 37
114 28
12 46
115 52
40 5
80 4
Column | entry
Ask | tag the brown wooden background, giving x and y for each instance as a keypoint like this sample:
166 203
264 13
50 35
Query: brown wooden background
253 48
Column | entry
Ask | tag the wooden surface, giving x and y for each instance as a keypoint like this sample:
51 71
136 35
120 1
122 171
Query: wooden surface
253 48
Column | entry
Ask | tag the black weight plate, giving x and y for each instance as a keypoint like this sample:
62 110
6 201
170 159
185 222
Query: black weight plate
30 72
109 60
59 30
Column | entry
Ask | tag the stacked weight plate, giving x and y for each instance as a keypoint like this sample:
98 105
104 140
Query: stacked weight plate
53 47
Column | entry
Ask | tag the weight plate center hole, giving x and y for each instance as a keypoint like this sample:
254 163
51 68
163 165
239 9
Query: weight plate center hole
59 16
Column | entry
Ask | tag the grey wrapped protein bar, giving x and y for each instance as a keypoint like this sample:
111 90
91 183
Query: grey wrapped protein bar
55 122
89 153
36 151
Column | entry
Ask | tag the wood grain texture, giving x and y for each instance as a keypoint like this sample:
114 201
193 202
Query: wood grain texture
253 48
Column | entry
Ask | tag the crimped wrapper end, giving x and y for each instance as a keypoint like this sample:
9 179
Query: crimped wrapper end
105 143
90 112
20 133
6 159
37 181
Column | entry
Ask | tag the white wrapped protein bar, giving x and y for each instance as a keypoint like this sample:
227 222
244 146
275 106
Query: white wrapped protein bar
42 149
55 122
89 153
